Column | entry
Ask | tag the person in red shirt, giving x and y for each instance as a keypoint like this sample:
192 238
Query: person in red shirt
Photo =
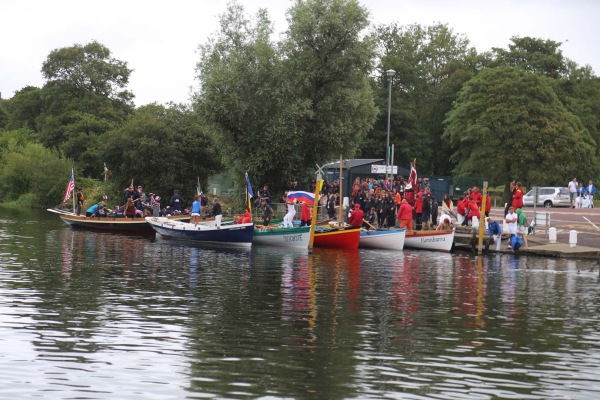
473 210
405 216
461 211
419 210
476 195
356 217
305 216
488 205
517 200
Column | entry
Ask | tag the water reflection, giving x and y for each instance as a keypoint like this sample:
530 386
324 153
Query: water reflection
105 316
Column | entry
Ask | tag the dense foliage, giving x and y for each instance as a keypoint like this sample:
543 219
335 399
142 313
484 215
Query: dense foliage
274 109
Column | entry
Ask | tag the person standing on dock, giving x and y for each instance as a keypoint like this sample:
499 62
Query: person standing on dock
511 220
495 232
522 225
405 215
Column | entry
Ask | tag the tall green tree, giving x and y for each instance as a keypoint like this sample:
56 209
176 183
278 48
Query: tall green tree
24 108
508 124
162 148
431 65
85 96
275 110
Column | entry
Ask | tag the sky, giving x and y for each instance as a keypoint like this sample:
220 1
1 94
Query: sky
159 39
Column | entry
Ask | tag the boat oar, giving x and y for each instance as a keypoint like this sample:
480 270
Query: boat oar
367 222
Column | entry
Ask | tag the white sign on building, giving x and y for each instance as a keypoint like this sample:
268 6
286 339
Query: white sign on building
380 169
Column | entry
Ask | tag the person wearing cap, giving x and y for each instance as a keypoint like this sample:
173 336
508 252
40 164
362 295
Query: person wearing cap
357 216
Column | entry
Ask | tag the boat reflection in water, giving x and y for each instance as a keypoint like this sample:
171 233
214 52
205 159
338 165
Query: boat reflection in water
136 317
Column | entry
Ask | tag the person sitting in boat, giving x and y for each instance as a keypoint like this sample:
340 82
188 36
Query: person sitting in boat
267 212
118 212
370 219
246 218
177 202
130 209
90 212
357 216
101 212
167 212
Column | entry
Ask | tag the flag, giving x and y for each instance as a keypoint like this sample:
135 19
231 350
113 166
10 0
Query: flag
198 188
249 193
249 186
412 179
70 187
300 196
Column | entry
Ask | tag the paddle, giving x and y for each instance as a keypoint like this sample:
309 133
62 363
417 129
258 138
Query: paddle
367 222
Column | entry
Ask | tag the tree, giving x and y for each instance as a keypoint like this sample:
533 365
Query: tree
532 55
164 148
85 97
431 64
24 108
276 110
508 124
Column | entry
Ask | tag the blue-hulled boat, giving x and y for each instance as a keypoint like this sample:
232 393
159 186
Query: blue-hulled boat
239 235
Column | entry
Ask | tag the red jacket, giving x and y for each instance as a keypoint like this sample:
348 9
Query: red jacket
517 201
473 210
477 197
460 207
419 205
405 212
488 204
305 213
356 217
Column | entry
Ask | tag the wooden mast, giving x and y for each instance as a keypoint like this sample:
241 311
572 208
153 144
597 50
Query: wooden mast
340 214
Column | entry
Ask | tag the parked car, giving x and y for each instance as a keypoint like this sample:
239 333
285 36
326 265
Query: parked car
549 197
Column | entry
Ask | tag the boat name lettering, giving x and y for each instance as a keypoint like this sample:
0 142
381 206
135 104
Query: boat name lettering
433 239
292 238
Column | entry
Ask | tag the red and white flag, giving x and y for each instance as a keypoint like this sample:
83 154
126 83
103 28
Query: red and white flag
70 188
413 176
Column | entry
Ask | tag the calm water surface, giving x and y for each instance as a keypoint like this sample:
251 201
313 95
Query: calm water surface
98 316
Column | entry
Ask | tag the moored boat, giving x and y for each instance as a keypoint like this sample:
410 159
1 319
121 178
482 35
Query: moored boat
230 235
337 238
386 239
112 224
284 237
430 240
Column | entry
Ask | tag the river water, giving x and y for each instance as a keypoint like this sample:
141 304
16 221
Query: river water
99 316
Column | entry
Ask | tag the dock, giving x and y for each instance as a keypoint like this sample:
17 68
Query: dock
467 239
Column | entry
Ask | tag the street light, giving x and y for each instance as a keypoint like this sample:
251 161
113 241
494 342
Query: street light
390 74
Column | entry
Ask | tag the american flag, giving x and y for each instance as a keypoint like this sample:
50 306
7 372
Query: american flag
70 188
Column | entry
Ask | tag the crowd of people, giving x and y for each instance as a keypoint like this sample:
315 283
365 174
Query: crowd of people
136 203
580 195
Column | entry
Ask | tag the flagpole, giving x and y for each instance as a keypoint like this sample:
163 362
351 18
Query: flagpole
74 194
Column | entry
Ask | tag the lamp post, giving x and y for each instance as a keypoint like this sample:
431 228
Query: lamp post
390 74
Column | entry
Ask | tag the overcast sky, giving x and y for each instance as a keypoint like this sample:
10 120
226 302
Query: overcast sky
158 39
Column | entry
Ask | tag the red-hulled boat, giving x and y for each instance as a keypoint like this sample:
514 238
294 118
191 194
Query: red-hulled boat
336 238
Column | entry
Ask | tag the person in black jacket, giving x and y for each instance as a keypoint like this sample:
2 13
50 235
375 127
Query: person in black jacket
217 212
177 202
